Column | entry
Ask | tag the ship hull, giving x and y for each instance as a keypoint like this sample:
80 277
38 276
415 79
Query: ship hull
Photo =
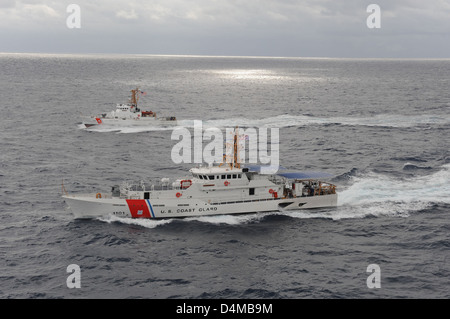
90 122
91 207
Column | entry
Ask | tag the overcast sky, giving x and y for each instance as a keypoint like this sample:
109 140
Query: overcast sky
293 28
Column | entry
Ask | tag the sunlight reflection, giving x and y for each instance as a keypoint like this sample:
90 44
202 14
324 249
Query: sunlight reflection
252 74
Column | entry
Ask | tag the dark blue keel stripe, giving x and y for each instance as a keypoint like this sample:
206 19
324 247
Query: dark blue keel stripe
151 208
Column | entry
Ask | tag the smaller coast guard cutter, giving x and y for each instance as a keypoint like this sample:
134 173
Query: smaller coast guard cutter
221 189
129 114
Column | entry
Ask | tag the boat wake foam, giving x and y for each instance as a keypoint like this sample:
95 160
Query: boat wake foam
375 194
215 219
147 223
373 188
372 195
385 120
231 219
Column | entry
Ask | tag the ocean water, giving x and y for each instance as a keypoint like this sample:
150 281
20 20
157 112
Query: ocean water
382 127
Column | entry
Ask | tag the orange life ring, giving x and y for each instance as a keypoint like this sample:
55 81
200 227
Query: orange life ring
185 181
98 195
226 183
178 195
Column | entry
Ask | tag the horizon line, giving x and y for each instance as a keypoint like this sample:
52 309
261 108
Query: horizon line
220 56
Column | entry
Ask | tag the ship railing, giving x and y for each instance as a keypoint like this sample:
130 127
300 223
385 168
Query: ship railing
244 201
160 185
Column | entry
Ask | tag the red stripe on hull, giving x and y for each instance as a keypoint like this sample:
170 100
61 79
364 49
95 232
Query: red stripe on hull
138 208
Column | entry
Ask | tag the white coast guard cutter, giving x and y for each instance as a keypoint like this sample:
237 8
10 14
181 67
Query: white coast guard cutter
129 114
227 188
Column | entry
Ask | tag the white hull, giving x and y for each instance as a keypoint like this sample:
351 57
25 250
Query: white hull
88 206
150 121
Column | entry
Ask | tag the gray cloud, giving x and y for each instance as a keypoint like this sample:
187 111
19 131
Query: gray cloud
410 28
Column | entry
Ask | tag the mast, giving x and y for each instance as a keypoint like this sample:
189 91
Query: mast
234 157
134 97
235 163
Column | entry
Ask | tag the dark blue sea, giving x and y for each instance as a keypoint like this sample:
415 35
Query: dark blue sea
382 127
